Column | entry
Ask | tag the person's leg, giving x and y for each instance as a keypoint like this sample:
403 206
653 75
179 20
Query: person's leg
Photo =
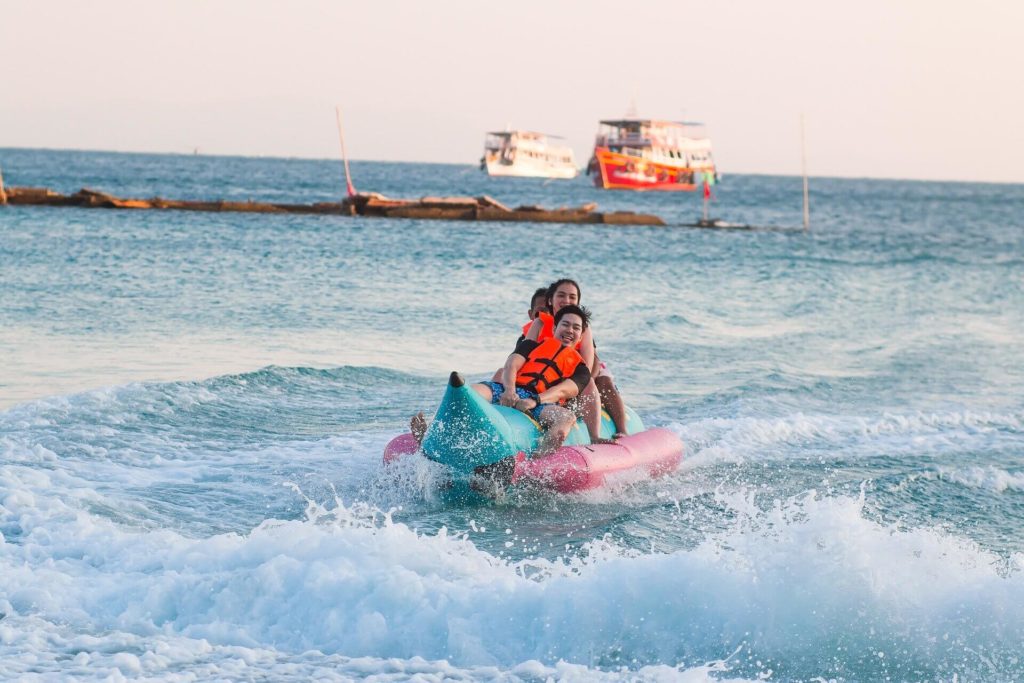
486 389
590 406
612 402
558 422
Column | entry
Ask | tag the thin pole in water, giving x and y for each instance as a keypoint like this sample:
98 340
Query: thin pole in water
707 198
349 187
803 166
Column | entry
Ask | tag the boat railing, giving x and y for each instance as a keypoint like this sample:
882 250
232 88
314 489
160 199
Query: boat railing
623 140
683 144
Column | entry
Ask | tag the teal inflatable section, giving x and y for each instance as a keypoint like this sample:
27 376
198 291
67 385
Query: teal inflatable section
467 431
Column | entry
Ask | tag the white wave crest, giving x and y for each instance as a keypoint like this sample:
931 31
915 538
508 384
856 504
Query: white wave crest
745 438
988 478
807 580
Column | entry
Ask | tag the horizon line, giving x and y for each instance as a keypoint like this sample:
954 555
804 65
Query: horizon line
476 163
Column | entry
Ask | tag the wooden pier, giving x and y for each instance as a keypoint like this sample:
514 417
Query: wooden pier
367 204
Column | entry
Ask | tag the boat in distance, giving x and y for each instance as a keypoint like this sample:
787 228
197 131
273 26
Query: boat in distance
526 154
648 154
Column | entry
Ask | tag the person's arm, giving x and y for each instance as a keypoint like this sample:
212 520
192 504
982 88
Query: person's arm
535 327
513 364
508 378
587 349
566 389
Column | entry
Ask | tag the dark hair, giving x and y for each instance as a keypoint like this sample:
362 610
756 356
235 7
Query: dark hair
581 311
558 283
541 292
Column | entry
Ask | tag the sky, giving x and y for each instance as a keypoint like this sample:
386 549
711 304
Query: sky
887 89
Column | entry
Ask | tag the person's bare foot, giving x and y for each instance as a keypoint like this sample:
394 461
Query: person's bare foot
418 426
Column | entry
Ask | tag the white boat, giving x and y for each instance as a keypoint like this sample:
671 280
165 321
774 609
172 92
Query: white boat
526 154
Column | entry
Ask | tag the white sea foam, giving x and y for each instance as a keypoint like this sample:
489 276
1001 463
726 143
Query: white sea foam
40 647
98 585
717 330
918 433
809 577
988 478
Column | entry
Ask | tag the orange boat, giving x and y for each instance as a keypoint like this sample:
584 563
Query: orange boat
646 154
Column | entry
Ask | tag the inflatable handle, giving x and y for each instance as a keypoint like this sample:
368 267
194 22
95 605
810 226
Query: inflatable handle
403 444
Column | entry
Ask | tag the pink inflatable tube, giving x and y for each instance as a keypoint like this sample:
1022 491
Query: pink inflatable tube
650 453
647 454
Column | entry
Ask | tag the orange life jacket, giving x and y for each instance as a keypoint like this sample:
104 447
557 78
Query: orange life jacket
547 331
547 365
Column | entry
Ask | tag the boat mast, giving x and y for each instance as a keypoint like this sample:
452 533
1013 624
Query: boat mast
803 167
349 187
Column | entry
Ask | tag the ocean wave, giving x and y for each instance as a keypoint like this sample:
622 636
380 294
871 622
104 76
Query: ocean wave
808 587
274 401
989 478
36 647
159 395
742 438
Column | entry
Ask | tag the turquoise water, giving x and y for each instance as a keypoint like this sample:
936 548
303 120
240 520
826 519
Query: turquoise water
193 409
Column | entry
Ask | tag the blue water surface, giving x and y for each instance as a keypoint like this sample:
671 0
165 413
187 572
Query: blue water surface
193 408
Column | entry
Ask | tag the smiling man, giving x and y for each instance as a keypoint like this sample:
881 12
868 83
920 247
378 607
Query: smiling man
539 377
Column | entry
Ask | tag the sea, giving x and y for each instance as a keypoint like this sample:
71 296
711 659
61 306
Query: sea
194 406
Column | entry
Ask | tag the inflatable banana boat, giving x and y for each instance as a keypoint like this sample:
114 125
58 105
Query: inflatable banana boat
484 443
